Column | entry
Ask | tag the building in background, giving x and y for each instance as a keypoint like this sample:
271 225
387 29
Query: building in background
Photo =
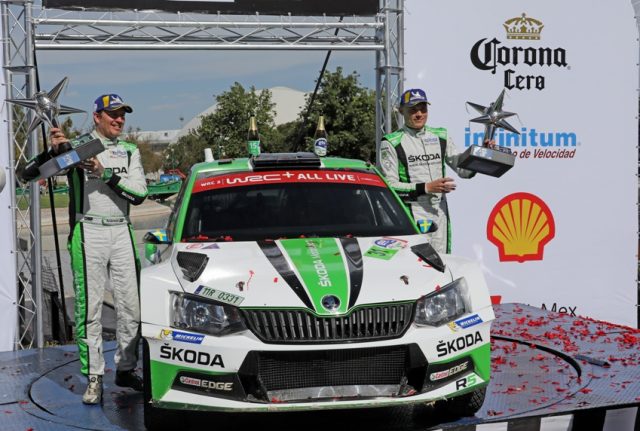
288 104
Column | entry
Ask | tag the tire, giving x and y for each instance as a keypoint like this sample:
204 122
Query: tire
464 405
154 417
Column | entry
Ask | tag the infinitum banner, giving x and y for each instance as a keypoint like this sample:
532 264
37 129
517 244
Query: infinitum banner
8 288
559 230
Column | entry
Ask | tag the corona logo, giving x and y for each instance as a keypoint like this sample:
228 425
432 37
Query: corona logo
520 225
522 27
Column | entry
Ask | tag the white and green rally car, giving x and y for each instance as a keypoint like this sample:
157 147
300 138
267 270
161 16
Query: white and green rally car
298 283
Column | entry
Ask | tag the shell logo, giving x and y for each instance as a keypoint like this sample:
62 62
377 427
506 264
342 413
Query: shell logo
520 225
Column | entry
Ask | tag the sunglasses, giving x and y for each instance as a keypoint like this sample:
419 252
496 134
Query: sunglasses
115 114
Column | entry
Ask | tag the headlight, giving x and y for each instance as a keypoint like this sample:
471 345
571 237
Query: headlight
444 305
200 315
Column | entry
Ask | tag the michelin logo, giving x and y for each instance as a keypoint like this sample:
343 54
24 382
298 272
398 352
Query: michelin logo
168 334
466 322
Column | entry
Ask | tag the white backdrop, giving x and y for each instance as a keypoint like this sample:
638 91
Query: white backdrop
583 105
8 314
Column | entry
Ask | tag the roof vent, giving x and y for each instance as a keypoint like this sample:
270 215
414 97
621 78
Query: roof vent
299 160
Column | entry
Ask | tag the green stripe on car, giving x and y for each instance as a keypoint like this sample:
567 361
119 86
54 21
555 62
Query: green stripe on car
323 270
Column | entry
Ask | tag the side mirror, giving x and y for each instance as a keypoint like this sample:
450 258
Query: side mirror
151 241
426 226
151 253
158 236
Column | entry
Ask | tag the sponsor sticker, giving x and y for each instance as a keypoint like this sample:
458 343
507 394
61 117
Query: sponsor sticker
381 252
391 243
185 337
385 248
465 322
439 375
249 178
218 295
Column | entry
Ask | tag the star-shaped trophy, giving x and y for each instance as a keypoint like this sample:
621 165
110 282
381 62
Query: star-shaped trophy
46 107
490 159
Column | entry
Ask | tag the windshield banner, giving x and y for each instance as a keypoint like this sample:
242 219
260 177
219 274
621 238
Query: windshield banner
253 178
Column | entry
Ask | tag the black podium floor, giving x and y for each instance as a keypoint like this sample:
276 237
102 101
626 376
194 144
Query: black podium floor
549 372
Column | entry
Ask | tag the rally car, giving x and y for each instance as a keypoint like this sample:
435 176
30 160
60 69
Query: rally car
292 282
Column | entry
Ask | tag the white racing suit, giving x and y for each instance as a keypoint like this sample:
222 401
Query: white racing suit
411 158
101 244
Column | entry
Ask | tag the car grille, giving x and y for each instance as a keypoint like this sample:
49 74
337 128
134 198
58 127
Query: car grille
324 368
379 322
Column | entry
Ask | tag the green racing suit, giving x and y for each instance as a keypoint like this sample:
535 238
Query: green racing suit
101 246
411 158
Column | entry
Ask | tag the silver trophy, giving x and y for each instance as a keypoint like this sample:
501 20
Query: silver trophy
490 159
46 107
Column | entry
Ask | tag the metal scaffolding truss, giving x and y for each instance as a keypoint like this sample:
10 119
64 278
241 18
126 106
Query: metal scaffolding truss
27 29
19 75
155 30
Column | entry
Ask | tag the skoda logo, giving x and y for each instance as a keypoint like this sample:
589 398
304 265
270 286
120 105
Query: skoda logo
330 302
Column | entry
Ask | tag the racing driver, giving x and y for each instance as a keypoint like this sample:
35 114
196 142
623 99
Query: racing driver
413 161
101 244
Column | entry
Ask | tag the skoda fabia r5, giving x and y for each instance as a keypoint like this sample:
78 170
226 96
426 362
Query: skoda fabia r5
292 282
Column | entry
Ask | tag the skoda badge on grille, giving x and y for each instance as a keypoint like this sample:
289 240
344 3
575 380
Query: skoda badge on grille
331 303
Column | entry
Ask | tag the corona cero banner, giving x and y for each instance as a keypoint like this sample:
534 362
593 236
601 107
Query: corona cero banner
559 230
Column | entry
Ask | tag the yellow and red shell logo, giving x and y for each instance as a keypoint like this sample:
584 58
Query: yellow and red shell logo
520 225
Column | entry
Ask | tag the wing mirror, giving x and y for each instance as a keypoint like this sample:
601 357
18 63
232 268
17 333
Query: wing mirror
426 226
151 241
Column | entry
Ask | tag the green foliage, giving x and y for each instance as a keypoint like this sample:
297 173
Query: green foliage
226 128
188 150
151 162
68 129
349 112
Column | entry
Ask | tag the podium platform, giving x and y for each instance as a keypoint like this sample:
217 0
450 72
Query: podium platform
550 371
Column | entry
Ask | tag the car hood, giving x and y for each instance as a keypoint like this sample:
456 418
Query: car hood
325 275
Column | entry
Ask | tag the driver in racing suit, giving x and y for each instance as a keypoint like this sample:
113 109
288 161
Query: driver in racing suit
101 244
413 161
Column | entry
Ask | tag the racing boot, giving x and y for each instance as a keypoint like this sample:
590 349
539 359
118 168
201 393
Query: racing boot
129 379
93 393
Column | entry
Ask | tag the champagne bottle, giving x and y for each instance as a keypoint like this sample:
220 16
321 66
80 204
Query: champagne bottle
253 138
320 138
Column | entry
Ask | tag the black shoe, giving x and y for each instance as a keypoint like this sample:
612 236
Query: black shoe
129 379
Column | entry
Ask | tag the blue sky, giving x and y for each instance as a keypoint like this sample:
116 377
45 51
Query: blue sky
163 86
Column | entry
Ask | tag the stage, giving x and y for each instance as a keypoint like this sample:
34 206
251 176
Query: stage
550 371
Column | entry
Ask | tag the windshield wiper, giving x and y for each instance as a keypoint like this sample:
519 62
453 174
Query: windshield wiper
197 238
204 238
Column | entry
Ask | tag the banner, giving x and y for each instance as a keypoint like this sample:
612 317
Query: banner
8 283
559 230
244 7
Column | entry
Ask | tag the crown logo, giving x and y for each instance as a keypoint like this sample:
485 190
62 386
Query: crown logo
522 27
520 225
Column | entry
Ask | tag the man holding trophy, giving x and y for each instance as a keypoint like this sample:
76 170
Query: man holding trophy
414 160
101 244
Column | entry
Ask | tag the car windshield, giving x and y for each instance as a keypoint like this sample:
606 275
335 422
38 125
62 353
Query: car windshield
293 204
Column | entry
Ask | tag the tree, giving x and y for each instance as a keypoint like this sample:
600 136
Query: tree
151 162
183 154
349 112
227 126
